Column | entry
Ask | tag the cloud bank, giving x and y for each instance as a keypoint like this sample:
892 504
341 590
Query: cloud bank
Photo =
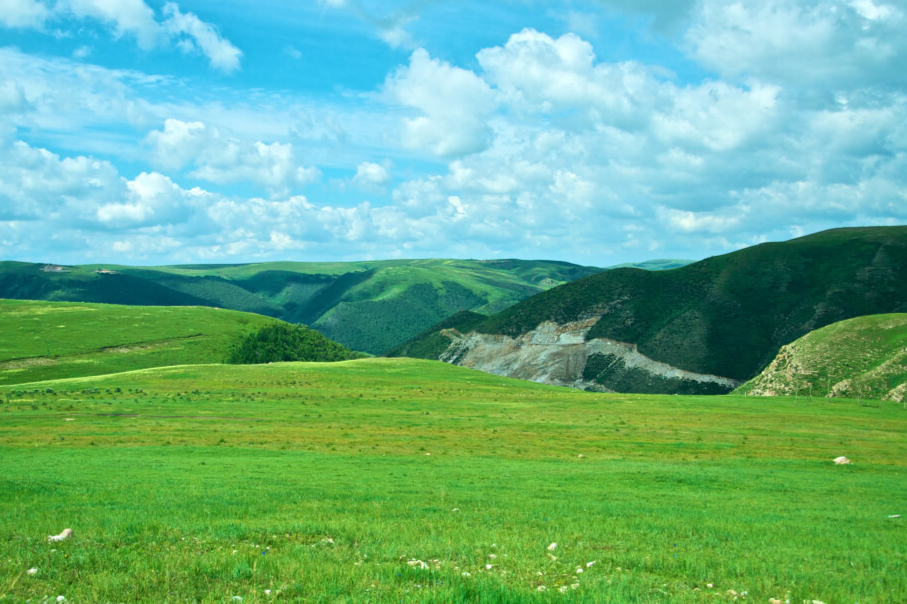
536 148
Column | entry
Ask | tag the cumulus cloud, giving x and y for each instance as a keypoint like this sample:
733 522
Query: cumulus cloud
540 149
834 43
549 74
454 104
371 176
221 159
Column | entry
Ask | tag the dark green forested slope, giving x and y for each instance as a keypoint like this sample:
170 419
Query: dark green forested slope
369 306
728 315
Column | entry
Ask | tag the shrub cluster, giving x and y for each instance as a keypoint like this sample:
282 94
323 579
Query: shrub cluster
280 342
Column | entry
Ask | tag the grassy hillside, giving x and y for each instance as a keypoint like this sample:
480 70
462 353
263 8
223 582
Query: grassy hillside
369 306
865 356
389 480
729 315
55 340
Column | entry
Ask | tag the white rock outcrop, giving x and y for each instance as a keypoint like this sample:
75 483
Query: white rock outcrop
556 354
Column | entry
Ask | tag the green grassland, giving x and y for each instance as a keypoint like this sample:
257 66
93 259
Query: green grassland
368 306
52 340
861 357
398 480
727 315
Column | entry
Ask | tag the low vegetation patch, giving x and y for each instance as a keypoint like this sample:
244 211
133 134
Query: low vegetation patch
281 342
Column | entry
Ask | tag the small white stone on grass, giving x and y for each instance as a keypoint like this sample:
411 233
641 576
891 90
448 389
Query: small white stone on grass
488 567
841 461
465 574
552 547
590 564
455 510
66 534
32 571
579 570
61 599
492 556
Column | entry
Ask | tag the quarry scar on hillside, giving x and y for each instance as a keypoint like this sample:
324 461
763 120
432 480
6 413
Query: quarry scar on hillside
558 354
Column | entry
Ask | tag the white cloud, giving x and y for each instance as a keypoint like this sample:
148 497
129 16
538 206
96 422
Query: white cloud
272 166
542 150
551 75
693 222
454 104
37 185
202 36
13 98
717 116
179 143
221 159
29 14
152 199
132 18
832 44
371 176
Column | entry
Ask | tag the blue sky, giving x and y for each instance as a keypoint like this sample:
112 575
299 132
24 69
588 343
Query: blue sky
598 131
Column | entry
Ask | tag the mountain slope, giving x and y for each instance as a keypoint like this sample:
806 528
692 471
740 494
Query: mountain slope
865 356
723 317
369 306
56 340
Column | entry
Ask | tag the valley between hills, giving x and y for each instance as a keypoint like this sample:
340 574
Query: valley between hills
206 454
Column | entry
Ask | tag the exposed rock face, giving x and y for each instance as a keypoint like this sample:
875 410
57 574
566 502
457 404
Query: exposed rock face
561 355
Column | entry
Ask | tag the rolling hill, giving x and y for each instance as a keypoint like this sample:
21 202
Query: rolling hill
861 357
702 328
368 306
57 340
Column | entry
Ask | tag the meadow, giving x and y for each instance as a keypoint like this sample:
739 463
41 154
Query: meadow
397 480
55 340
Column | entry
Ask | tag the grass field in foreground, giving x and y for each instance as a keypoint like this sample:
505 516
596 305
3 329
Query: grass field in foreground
339 482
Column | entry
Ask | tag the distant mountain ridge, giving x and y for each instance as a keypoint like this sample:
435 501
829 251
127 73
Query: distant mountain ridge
705 327
368 306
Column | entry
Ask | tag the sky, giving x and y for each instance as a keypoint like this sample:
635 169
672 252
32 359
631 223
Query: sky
597 132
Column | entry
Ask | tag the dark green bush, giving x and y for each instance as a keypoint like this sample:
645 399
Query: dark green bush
285 342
